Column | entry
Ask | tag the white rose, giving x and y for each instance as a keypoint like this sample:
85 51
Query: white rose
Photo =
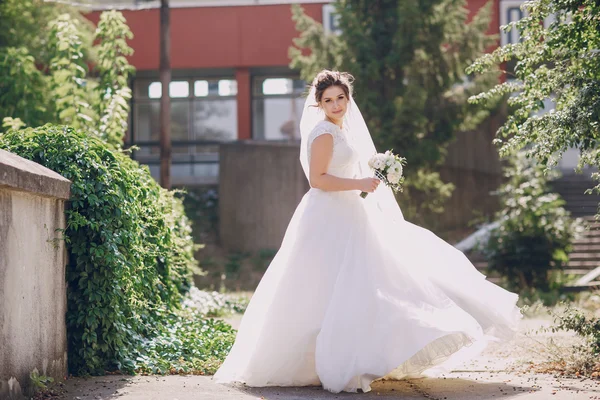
397 168
378 163
393 178
390 160
371 162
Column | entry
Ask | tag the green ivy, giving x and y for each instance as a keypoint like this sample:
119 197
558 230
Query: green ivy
129 243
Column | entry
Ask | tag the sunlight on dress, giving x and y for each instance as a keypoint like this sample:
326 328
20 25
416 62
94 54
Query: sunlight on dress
351 297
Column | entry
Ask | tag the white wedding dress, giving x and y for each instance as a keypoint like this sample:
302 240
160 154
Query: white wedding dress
352 296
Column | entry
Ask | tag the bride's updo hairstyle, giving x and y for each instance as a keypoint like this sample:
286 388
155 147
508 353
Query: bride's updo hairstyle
326 79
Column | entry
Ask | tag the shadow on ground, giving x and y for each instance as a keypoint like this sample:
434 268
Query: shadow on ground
426 388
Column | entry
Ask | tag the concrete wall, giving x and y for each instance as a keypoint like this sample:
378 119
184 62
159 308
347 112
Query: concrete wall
32 274
260 185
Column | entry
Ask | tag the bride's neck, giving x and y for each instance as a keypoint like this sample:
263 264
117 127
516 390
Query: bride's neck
338 123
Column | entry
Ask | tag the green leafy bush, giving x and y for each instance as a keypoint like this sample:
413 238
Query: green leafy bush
129 242
584 325
535 232
187 342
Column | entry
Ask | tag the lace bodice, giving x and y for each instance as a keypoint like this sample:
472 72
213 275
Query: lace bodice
344 159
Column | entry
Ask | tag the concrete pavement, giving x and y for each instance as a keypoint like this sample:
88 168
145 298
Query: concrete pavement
498 373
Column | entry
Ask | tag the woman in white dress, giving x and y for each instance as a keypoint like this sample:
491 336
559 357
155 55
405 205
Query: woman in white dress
356 293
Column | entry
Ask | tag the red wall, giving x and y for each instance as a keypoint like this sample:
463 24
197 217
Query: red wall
475 5
226 37
216 37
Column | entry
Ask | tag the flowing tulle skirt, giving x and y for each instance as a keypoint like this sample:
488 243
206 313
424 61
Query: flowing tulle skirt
351 297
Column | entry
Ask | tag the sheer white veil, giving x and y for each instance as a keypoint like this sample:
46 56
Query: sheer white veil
360 139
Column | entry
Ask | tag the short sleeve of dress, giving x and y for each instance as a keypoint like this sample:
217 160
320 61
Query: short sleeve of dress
322 128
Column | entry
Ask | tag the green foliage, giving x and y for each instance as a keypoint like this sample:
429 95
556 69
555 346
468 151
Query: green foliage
114 71
68 73
425 196
25 23
583 325
39 381
535 233
187 343
54 85
202 207
325 50
21 87
560 62
130 249
408 58
12 123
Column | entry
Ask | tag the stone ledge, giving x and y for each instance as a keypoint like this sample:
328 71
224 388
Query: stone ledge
23 175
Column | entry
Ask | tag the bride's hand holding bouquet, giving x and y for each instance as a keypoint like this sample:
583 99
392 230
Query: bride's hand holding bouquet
388 168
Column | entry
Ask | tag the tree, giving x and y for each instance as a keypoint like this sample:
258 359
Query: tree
68 81
114 71
26 52
57 86
558 62
25 23
408 58
21 87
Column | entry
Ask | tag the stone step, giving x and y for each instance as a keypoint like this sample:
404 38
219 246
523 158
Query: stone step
584 256
591 286
574 271
592 233
583 264
587 240
579 247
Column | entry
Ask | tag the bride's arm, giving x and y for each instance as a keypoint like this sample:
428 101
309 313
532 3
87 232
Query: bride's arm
321 152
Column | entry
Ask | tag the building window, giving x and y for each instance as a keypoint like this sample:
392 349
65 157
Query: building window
203 114
277 107
331 20
510 11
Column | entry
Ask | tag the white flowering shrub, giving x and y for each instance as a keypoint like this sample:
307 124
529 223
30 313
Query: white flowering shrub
214 304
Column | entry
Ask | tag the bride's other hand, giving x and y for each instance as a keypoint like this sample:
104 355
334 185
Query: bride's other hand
368 184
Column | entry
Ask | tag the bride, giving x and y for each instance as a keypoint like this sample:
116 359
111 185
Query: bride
356 293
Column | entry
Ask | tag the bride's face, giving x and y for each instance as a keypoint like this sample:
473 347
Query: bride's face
335 103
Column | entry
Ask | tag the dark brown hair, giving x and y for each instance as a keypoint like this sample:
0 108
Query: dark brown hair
326 79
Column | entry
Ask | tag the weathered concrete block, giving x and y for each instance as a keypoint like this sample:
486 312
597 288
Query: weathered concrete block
32 274
260 186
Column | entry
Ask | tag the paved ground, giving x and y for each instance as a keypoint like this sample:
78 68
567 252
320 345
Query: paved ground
496 374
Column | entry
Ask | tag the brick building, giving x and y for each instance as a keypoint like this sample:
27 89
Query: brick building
231 79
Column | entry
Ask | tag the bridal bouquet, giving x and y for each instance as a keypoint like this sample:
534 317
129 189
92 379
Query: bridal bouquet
388 168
